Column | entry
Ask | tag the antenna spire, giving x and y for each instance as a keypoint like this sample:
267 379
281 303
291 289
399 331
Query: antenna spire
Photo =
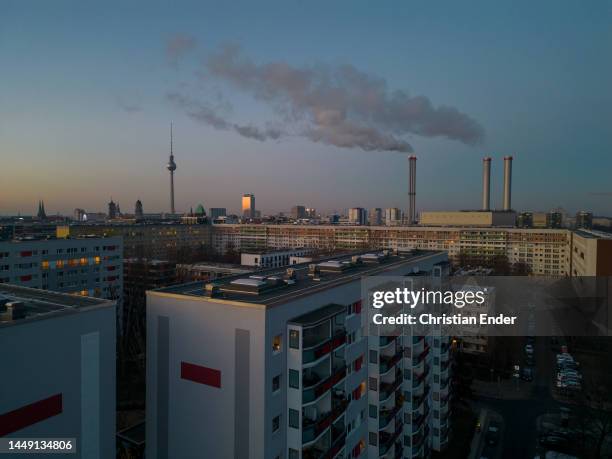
171 153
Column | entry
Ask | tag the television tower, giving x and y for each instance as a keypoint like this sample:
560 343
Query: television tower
171 166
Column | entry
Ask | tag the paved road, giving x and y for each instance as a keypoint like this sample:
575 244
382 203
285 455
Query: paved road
519 416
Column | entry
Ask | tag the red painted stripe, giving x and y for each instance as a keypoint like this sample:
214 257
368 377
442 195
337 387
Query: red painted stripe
200 374
30 414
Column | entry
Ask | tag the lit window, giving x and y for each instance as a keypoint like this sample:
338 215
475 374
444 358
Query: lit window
44 264
277 343
97 260
59 264
84 261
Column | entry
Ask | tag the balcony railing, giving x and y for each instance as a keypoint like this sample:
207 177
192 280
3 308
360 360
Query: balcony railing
327 346
386 440
386 340
337 443
386 416
313 393
389 361
419 358
386 389
312 429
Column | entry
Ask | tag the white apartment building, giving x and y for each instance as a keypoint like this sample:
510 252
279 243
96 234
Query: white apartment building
86 266
272 258
58 369
278 364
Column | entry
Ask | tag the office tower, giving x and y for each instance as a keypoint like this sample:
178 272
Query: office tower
554 219
393 216
248 205
524 220
486 183
58 361
216 212
281 363
138 211
311 212
79 215
171 166
357 216
375 216
584 220
298 212
507 182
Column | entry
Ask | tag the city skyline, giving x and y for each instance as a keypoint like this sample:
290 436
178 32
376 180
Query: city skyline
96 125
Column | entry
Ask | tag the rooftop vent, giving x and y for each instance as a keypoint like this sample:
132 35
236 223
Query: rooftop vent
13 310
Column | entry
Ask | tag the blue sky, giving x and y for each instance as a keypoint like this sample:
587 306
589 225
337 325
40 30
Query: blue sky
84 114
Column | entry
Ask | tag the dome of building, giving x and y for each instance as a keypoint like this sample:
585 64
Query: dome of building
200 210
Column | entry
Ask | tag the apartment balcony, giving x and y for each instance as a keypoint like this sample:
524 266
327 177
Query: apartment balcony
386 416
324 347
387 362
419 378
338 440
386 340
311 429
310 394
417 359
386 440
418 400
399 450
387 389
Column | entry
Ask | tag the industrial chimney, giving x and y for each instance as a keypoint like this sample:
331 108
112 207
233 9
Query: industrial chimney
412 189
507 182
486 183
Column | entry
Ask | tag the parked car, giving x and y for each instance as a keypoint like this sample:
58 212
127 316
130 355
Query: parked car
529 348
492 435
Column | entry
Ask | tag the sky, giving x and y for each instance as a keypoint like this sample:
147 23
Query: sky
304 103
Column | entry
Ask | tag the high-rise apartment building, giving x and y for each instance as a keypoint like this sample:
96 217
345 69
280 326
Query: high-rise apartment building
298 212
584 220
375 216
357 216
58 360
393 216
248 206
281 361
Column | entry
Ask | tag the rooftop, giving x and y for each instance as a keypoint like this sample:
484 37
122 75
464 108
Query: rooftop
36 304
271 287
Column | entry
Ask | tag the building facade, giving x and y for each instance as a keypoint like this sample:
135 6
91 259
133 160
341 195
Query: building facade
282 363
58 362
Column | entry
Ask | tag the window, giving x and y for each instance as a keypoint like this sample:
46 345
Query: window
277 343
293 453
373 438
373 384
407 374
373 411
294 418
276 383
276 423
294 339
374 357
294 379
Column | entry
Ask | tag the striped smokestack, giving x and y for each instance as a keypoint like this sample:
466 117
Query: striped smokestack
507 182
486 183
412 190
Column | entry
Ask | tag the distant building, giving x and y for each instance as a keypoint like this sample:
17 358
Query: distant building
311 212
584 220
112 210
468 218
216 212
591 253
200 211
58 368
375 216
393 216
248 205
298 212
79 215
524 220
554 219
41 214
209 271
271 258
138 212
357 216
